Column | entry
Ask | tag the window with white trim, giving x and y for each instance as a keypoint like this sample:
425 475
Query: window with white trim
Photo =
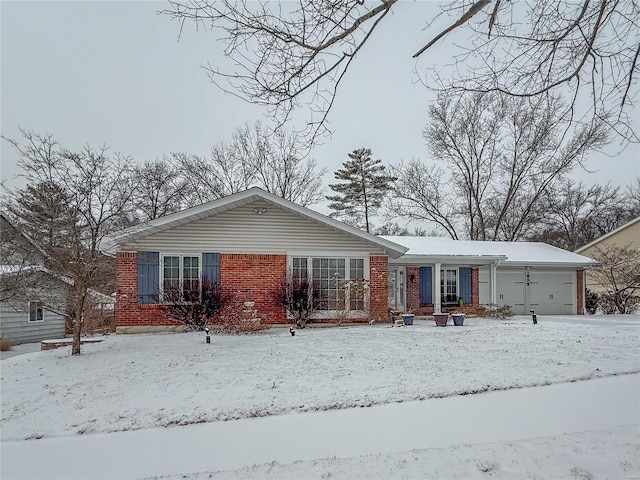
341 281
180 278
36 312
449 285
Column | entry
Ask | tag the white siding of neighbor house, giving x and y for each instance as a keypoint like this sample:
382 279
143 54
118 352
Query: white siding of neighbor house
16 328
241 230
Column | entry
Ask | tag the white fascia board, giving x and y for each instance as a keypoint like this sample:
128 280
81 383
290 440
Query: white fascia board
452 259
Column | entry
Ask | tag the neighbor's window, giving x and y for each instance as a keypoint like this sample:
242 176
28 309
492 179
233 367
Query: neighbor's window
180 278
330 275
36 312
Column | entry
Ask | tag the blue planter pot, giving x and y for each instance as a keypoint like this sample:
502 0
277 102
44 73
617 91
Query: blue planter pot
408 319
458 319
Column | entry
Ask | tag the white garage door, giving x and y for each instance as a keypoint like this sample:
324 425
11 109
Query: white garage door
545 292
511 290
552 293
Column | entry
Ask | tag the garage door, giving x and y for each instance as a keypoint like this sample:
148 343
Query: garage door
552 293
511 290
546 292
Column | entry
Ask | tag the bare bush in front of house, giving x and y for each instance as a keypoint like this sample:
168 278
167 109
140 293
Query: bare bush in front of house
5 345
238 317
195 308
501 312
299 297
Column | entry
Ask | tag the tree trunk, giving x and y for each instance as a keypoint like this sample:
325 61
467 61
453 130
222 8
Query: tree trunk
78 321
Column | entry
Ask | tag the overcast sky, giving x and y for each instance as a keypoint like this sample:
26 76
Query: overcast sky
114 73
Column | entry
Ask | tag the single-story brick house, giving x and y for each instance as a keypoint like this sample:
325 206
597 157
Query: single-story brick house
250 241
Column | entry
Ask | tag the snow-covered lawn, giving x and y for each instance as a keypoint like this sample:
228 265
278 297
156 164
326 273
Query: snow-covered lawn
142 381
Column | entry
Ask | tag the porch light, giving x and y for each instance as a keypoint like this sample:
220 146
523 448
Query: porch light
260 210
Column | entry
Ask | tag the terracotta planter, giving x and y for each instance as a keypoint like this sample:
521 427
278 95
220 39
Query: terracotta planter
441 319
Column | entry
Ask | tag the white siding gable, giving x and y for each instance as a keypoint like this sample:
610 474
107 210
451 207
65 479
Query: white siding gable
242 230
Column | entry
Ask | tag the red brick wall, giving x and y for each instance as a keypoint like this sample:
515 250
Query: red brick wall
475 286
379 288
580 291
128 312
255 278
413 293
246 277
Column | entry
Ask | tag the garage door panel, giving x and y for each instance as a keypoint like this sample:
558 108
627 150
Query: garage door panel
547 292
511 290
552 292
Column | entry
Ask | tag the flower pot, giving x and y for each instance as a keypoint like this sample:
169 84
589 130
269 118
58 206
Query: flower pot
441 319
458 319
407 318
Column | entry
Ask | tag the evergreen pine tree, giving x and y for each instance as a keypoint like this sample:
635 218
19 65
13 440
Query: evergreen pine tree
367 184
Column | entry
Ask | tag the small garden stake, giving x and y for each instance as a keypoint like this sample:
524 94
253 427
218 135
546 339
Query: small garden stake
534 316
208 336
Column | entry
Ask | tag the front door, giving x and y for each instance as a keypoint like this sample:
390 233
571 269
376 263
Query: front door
397 295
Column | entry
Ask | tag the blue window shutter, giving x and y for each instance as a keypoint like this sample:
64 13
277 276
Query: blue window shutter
425 285
211 267
465 287
148 277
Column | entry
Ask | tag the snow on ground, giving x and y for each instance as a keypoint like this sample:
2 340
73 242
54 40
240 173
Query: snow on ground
142 381
572 430
583 455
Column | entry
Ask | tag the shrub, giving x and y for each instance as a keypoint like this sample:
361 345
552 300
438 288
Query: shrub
5 345
610 303
501 312
237 317
299 297
196 309
591 301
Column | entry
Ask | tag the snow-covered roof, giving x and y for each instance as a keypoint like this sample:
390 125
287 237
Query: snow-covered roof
473 251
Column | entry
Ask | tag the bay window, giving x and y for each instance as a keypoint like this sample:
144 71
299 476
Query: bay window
341 281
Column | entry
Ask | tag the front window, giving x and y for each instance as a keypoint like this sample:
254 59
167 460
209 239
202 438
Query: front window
449 285
180 278
341 281
36 312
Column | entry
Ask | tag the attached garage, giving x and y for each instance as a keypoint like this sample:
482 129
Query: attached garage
544 291
525 275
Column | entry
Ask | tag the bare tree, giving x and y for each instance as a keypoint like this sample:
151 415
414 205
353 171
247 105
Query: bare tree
255 156
618 273
288 54
19 257
94 194
575 214
162 189
502 155
632 198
